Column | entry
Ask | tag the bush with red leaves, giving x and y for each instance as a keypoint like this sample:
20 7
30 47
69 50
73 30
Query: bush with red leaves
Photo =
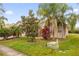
46 32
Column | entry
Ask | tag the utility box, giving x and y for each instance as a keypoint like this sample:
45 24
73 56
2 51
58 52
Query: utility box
53 45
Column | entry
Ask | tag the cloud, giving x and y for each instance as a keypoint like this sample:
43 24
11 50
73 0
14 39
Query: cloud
76 11
9 12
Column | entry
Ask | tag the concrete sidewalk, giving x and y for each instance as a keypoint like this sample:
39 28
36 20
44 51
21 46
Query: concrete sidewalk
9 52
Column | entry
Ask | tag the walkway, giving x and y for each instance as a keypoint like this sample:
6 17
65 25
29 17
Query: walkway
9 52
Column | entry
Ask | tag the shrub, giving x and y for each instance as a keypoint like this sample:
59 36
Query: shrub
46 32
16 31
13 31
75 31
5 32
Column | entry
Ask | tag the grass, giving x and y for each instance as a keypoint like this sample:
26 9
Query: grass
71 45
68 46
1 54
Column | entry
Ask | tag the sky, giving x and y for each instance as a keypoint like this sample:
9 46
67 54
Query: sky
14 11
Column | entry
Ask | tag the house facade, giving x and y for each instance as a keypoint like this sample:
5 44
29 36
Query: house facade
55 31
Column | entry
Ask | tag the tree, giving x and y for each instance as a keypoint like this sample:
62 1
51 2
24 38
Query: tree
5 32
72 19
55 12
30 25
2 18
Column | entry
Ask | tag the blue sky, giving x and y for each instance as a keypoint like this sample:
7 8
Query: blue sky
15 10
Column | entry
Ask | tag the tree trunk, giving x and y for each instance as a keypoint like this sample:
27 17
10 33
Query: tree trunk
54 29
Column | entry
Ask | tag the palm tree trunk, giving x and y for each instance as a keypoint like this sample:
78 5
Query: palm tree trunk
54 29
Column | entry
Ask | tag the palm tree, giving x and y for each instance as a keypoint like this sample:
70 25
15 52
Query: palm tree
29 24
54 12
2 23
15 30
2 18
72 19
1 9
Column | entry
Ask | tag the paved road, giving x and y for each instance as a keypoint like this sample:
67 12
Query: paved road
9 52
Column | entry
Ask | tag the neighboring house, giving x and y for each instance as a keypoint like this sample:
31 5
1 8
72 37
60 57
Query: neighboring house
8 25
55 32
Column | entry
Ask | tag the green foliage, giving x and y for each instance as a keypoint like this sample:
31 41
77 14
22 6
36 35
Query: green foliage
4 32
16 30
52 9
13 31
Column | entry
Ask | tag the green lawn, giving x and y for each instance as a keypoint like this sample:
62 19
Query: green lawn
68 46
